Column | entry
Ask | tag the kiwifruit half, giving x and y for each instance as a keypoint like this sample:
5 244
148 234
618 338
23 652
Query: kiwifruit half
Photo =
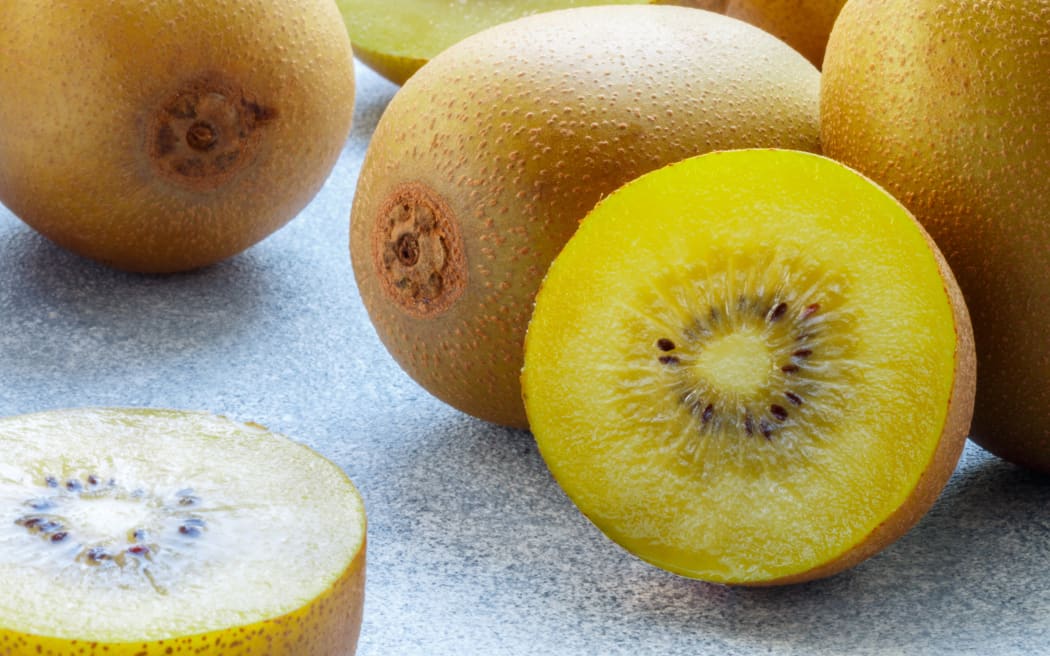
750 367
144 532
167 136
947 105
396 39
485 161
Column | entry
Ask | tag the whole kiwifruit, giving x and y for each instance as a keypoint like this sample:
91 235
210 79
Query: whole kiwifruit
485 161
803 24
143 532
947 104
168 136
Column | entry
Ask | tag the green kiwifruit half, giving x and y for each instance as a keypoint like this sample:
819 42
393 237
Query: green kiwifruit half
486 160
750 367
144 532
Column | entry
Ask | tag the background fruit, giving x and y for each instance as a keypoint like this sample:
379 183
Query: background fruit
484 162
750 367
167 136
396 39
804 24
946 104
156 532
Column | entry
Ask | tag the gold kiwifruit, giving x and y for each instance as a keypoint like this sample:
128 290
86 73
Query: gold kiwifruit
485 161
168 136
751 367
803 24
148 532
947 104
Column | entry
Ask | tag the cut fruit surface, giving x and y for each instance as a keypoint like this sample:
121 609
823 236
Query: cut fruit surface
147 531
750 367
396 39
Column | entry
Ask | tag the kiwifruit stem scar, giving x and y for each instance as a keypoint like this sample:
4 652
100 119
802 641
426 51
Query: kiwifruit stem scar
204 132
417 251
201 136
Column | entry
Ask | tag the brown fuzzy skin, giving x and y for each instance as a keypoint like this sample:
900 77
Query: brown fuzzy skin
946 104
522 128
803 24
945 457
85 91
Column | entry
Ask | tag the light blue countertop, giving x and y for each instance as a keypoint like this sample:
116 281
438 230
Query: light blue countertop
473 549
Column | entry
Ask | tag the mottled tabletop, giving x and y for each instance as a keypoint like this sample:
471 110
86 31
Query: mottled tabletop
473 548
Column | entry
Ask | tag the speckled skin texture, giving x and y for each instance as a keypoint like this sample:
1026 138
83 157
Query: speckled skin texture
82 90
328 626
522 128
946 104
472 547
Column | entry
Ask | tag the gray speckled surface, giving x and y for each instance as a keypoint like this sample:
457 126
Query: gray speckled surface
473 548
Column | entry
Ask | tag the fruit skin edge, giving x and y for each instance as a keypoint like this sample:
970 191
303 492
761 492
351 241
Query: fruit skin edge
939 468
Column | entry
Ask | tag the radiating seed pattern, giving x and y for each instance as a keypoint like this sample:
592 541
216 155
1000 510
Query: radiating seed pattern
800 313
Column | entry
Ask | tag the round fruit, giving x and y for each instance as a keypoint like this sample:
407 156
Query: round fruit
751 367
167 136
141 532
946 104
803 24
484 163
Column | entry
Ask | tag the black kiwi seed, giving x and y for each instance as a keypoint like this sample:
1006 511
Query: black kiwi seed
138 550
139 535
789 368
51 481
40 504
665 344
766 429
97 554
777 312
708 413
188 501
58 537
92 480
794 398
669 359
73 485
189 531
778 411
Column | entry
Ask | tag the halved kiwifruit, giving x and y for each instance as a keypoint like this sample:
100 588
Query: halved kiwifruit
750 367
140 532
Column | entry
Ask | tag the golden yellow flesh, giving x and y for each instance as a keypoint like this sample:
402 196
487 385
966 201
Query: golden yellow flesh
771 259
283 533
397 38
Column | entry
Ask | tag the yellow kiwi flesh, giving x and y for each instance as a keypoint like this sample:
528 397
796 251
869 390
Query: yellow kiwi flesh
167 136
750 367
139 532
946 105
486 160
